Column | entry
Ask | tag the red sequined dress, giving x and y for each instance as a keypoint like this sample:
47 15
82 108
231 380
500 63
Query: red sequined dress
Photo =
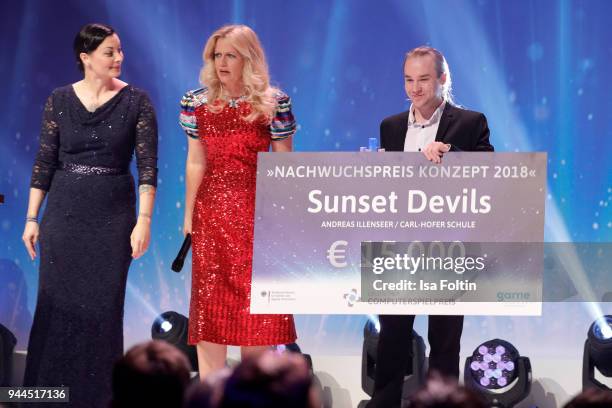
223 221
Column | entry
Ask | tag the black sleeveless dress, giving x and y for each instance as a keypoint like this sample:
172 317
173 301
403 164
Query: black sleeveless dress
85 251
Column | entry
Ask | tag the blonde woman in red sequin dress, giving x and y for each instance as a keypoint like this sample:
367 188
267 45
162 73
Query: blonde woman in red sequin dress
233 117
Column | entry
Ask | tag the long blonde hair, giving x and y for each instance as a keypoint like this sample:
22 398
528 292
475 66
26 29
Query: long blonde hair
255 76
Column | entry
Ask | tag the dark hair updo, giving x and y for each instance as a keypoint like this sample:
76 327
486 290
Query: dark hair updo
89 38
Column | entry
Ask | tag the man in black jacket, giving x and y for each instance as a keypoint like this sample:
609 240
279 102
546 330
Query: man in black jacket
433 126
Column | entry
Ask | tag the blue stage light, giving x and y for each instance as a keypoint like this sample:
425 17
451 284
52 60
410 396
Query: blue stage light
497 372
416 372
172 327
166 326
294 348
597 353
492 364
602 328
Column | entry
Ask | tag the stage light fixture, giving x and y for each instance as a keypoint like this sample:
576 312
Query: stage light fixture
497 372
597 353
324 392
294 348
172 327
415 373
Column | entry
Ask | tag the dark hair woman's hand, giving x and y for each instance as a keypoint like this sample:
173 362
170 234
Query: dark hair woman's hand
30 237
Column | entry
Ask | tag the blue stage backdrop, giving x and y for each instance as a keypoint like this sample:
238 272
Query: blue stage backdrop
539 70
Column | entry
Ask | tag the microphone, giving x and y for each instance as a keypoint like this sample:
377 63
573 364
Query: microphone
177 265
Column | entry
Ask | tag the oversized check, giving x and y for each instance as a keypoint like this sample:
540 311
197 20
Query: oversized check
335 233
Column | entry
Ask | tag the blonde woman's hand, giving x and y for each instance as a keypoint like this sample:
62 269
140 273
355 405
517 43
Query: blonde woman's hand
30 237
141 236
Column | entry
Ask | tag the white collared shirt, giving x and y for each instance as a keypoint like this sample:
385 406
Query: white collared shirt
420 135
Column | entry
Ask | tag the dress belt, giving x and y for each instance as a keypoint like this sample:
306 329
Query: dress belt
92 170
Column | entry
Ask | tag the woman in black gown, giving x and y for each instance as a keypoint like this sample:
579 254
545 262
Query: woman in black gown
90 232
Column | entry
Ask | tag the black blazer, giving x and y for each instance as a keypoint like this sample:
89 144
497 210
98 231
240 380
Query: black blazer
463 129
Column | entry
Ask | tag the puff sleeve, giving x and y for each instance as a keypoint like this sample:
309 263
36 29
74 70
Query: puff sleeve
283 123
187 118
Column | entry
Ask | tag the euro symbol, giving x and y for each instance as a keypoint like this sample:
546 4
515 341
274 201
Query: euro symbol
337 255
